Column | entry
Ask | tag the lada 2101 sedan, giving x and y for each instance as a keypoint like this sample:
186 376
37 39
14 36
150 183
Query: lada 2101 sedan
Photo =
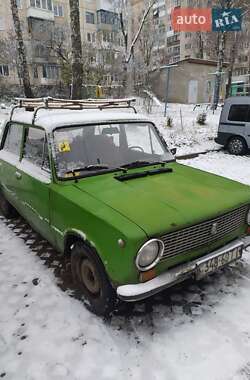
104 189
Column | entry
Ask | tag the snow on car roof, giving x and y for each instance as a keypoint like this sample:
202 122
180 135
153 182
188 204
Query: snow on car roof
51 119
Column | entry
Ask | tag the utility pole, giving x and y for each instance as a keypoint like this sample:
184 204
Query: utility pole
168 70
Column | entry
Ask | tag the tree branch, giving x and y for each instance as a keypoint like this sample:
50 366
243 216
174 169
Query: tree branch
130 53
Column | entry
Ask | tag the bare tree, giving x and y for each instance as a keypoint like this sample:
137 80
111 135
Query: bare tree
60 46
23 66
77 69
145 61
129 40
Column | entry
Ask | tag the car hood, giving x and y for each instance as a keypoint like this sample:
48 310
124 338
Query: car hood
165 202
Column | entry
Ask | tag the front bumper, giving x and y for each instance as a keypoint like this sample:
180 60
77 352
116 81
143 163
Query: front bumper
136 292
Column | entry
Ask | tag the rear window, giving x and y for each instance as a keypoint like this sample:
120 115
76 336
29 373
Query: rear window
239 112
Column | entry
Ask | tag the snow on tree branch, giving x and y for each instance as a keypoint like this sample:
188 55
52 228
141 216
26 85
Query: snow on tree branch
144 18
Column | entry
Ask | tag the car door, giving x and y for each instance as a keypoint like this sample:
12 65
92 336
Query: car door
9 160
35 180
247 129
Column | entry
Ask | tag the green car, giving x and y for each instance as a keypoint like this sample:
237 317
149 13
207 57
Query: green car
104 189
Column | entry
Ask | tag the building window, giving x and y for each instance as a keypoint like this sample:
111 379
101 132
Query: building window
91 37
58 10
4 70
90 18
35 72
19 4
40 51
162 29
106 17
42 4
50 71
176 50
2 26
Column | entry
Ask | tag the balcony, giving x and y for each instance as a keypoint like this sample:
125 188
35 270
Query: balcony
159 3
170 33
106 5
41 14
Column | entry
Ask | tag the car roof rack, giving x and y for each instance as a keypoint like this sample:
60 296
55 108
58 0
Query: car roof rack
36 104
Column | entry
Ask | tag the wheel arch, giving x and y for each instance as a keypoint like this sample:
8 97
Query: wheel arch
234 136
71 237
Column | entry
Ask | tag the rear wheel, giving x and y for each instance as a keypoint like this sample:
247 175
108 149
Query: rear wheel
237 146
91 279
6 208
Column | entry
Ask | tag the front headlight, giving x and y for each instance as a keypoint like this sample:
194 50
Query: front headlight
248 218
149 254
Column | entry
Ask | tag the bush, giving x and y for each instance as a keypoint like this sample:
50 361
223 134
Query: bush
169 122
201 118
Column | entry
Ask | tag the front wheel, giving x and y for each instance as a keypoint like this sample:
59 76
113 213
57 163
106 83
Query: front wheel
237 146
91 279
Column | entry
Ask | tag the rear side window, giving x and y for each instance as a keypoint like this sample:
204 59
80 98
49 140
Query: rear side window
13 139
36 148
239 112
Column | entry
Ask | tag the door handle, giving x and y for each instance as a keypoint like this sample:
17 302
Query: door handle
18 175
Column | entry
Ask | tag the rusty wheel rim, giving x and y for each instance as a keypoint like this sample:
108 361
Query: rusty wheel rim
89 277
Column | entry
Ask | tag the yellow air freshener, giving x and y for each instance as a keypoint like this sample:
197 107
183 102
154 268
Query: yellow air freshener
64 147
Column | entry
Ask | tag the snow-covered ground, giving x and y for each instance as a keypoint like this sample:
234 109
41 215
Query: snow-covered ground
192 332
185 134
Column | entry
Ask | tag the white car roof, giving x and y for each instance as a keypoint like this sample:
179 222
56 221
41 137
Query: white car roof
52 119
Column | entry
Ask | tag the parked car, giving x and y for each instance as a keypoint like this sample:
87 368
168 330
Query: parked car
234 127
104 189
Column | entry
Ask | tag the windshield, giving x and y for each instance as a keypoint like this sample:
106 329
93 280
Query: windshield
103 147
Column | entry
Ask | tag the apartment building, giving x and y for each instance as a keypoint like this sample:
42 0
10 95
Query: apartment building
46 33
171 46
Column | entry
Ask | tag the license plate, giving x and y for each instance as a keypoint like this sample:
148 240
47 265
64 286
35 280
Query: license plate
211 265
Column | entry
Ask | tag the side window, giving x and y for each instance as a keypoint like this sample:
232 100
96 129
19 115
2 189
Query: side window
13 139
36 148
238 112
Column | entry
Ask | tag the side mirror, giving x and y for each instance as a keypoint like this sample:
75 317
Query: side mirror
173 151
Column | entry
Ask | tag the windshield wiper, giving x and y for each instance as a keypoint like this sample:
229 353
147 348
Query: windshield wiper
139 164
88 167
94 168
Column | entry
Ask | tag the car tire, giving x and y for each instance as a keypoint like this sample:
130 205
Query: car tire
237 146
91 279
6 208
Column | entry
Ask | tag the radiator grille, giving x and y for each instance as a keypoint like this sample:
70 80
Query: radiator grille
196 236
